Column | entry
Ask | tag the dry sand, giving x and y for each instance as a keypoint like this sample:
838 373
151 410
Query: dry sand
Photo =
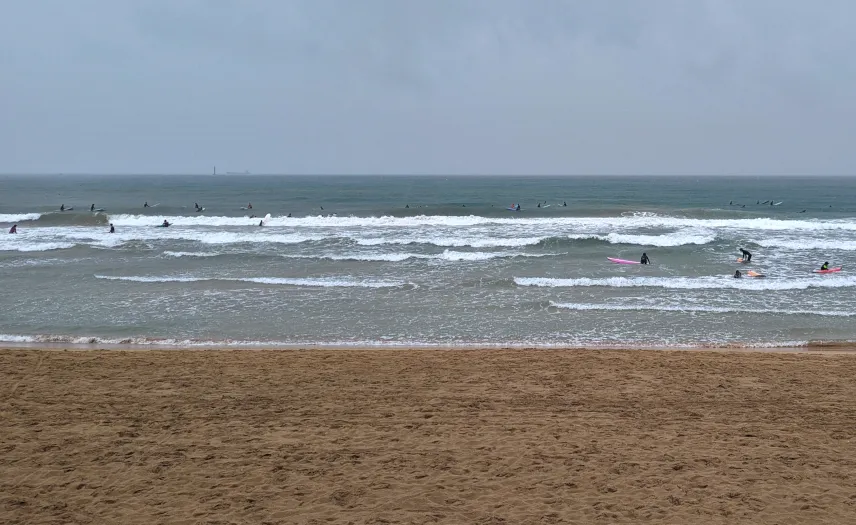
427 436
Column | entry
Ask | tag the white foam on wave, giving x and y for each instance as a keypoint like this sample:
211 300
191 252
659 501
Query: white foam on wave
460 242
34 246
447 255
695 309
679 238
190 254
694 283
19 217
322 282
602 223
804 244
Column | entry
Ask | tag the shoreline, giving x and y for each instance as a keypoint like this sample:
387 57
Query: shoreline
839 347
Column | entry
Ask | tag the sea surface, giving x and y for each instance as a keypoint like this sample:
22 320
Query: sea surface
432 260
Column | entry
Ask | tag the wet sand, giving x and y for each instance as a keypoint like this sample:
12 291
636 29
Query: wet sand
427 436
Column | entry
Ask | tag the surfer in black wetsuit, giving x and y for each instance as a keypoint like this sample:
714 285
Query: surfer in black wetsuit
517 208
261 223
112 229
737 274
146 205
165 223
289 215
62 207
92 208
746 255
825 266
249 205
13 229
564 203
645 259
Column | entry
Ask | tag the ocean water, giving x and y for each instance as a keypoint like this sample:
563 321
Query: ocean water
426 260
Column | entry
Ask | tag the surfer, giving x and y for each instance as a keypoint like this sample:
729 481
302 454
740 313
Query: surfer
564 203
746 255
146 205
539 204
92 208
112 229
13 229
731 203
645 259
825 266
289 215
517 208
62 207
737 274
165 224
406 206
249 205
261 222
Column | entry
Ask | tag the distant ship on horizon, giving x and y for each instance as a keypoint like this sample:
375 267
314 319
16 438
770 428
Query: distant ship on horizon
245 172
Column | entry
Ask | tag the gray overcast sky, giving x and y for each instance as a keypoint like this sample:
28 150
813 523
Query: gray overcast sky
428 86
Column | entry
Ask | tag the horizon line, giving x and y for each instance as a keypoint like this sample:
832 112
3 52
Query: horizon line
244 174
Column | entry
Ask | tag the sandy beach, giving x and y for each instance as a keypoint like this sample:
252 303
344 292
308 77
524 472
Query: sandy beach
427 436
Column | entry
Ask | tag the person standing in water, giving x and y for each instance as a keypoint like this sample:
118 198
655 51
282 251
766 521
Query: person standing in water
746 255
13 229
112 229
645 259
146 204
62 207
92 208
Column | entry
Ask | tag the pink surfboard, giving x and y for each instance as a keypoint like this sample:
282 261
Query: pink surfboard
622 261
831 270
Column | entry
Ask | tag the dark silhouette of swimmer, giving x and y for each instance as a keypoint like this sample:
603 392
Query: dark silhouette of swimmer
13 229
802 211
261 223
146 205
249 205
406 205
564 203
112 229
737 274
165 223
62 207
517 208
539 204
645 259
289 215
92 208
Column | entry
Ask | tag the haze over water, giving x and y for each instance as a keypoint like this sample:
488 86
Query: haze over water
455 267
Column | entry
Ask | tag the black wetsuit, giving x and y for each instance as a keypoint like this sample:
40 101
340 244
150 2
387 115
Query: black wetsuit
746 256
645 259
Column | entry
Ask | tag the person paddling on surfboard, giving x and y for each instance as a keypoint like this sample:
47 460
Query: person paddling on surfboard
825 266
746 255
165 223
645 259
737 274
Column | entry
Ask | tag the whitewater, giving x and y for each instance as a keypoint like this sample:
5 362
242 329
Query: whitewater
342 261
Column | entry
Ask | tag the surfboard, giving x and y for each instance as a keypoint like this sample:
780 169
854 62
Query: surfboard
512 209
622 261
546 205
199 209
68 209
831 270
750 273
96 210
740 260
777 203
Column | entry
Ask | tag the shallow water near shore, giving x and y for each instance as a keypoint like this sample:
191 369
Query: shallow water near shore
425 261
